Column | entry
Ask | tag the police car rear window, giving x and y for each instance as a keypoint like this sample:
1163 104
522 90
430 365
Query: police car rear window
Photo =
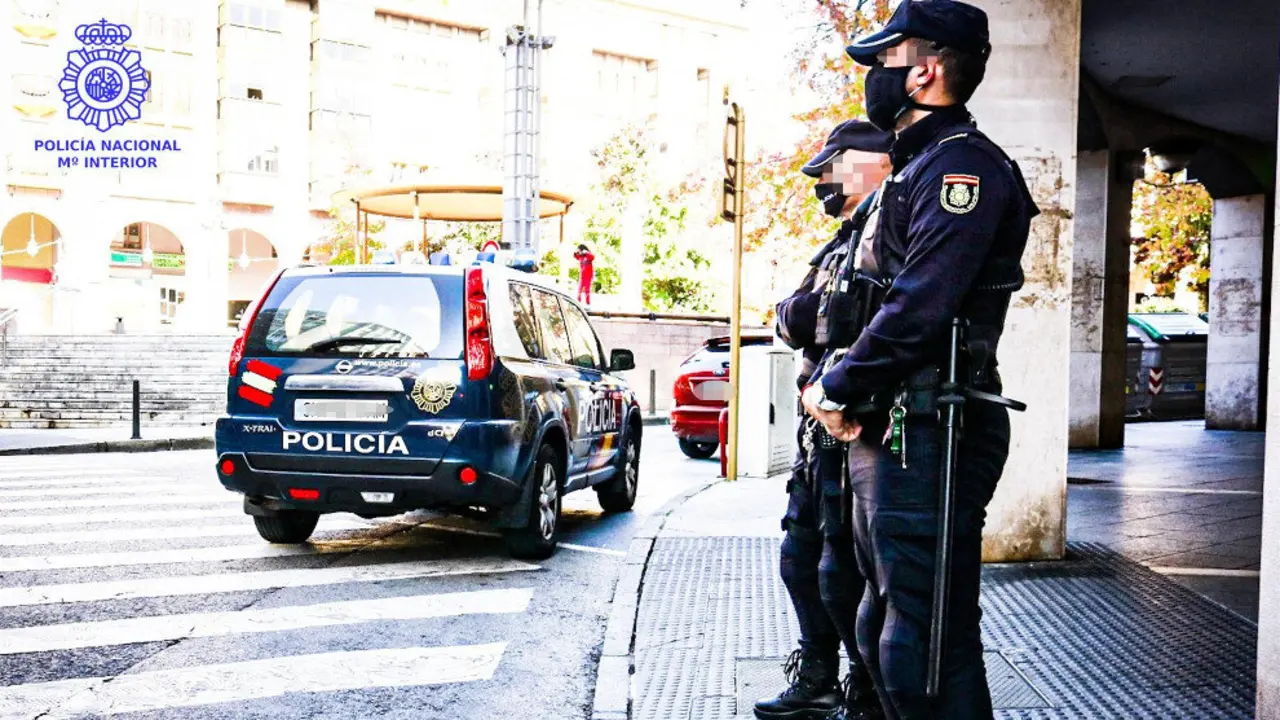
366 315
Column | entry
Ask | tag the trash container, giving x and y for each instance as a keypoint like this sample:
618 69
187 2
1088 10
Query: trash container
1174 356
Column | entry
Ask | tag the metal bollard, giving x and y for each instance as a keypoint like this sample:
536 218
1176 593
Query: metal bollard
137 410
653 391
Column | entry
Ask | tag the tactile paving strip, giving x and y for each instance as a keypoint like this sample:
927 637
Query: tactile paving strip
1095 636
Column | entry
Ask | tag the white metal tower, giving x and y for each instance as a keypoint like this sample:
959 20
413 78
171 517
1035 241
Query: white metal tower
522 126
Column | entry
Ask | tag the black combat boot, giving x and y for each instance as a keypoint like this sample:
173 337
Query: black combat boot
814 693
860 700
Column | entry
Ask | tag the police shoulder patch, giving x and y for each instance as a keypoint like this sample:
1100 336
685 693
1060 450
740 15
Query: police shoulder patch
959 193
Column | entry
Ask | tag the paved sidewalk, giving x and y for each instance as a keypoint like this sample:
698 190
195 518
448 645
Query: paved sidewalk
112 439
1096 635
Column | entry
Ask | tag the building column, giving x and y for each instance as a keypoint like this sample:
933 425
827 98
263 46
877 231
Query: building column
1100 298
1029 104
1268 678
1233 373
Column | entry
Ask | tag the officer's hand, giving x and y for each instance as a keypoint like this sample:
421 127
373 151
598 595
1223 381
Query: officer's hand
833 420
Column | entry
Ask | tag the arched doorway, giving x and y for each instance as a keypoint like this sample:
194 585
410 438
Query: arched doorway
28 270
146 278
251 261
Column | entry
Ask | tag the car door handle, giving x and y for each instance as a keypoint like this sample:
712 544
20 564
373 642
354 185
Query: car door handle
561 384
597 387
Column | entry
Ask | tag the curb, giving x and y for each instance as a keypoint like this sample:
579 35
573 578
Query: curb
655 420
108 446
614 691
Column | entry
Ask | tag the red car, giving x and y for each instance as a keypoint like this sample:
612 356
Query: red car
701 392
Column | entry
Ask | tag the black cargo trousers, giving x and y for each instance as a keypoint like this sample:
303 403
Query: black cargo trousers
819 567
895 539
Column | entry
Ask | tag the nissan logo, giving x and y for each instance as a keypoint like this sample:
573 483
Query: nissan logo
343 367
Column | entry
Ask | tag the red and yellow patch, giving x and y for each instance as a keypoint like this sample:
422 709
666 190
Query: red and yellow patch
959 193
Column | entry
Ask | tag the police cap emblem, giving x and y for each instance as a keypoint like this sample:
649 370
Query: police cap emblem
959 193
432 395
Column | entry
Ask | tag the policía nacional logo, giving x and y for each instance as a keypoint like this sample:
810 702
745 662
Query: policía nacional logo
960 193
104 83
432 395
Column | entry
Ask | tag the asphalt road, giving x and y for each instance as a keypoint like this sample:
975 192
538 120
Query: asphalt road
132 585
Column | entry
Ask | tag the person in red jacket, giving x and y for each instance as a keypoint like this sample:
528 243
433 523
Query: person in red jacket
586 273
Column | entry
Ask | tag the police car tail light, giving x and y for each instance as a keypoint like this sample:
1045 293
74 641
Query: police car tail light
479 342
246 322
228 467
468 475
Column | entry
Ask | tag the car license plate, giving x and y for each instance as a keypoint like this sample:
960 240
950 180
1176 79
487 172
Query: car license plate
340 410
712 391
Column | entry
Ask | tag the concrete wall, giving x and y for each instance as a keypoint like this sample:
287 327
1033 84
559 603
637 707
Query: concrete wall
1269 582
1029 105
659 346
1099 301
1233 374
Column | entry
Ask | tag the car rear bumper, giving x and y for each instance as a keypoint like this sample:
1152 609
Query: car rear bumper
698 423
266 479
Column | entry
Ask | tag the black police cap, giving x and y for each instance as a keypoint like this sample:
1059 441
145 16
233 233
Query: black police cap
946 23
849 135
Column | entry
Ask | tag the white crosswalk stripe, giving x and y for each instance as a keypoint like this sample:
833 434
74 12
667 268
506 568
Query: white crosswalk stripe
113 489
166 498
45 638
243 528
256 679
138 516
254 551
175 585
151 519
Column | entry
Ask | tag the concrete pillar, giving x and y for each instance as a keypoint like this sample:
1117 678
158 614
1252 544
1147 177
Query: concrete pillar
1029 104
1100 298
1268 682
1233 375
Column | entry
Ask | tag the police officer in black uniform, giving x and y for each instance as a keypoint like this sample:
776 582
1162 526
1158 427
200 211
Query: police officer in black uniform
819 568
952 225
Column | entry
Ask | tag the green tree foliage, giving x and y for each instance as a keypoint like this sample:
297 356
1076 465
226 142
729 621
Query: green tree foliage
338 246
1171 220
784 221
675 270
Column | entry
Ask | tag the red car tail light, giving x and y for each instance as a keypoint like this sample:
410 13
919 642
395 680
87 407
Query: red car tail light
479 341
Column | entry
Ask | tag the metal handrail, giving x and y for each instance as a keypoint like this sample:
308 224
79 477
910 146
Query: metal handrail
6 317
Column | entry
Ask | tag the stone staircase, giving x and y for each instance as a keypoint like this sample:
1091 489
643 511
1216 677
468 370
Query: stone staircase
84 381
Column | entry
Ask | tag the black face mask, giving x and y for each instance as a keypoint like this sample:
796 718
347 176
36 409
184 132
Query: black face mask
831 198
887 96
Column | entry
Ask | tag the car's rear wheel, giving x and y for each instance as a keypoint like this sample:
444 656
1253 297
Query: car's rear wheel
288 527
537 539
698 450
619 493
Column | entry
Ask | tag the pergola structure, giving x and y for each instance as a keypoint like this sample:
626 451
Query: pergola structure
450 203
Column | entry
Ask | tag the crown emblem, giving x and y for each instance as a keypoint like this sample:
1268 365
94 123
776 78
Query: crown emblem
103 33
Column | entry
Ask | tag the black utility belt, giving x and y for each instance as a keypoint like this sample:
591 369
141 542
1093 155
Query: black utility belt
918 395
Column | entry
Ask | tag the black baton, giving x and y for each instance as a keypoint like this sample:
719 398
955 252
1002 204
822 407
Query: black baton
952 399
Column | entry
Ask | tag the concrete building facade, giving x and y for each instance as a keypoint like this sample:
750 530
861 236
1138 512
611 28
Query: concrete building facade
311 96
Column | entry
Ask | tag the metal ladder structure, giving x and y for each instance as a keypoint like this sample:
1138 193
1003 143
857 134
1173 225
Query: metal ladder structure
522 126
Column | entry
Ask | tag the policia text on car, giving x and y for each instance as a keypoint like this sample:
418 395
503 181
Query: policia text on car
945 241
818 565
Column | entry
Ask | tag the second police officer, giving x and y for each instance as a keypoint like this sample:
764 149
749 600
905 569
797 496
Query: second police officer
952 225
818 567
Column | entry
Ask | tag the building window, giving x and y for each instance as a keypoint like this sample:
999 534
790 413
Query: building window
150 86
132 238
255 15
255 93
265 162
626 87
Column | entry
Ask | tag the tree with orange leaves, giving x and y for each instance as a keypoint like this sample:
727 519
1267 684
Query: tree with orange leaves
784 221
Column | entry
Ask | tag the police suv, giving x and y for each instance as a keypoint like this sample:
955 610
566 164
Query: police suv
381 389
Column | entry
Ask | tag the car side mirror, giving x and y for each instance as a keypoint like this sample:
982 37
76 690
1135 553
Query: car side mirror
622 361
